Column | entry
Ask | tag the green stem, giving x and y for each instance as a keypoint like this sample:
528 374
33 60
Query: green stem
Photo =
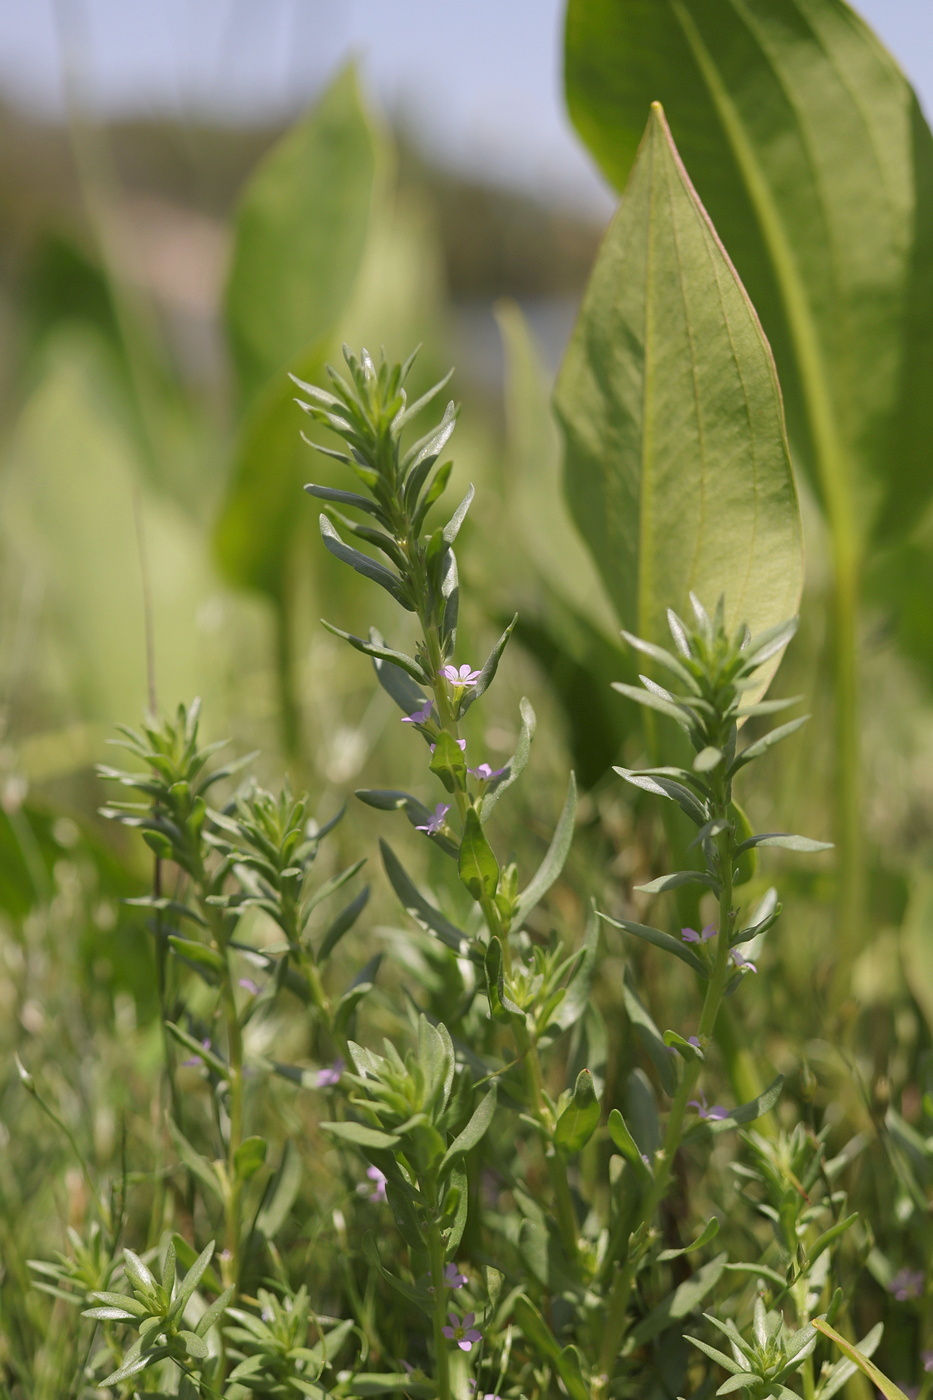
289 709
850 881
439 1313
616 1313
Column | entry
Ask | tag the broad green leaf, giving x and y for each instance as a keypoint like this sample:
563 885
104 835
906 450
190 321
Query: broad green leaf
676 465
580 1119
479 869
249 1157
887 1387
448 762
300 235
810 152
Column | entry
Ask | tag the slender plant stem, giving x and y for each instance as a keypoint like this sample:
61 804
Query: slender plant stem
439 1313
850 881
616 1313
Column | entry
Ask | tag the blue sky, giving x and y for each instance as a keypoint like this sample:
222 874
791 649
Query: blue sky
480 79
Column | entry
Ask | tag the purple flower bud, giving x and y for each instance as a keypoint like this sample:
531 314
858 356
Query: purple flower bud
906 1285
419 716
249 985
379 1179
330 1075
713 1114
927 1358
433 824
690 935
695 1041
742 962
484 773
453 1278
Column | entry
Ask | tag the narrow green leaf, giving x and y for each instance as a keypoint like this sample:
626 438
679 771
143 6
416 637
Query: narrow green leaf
473 1132
680 1304
553 863
501 1007
516 764
709 1232
198 953
379 652
674 881
887 1387
478 867
543 1341
746 1113
668 379
191 1280
580 1119
687 801
618 1131
363 564
649 1035
660 939
787 843
765 742
361 1135
488 670
423 913
342 924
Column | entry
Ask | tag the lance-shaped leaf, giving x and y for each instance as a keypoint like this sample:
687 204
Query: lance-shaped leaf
660 939
553 862
473 1132
676 465
887 1387
811 154
423 913
580 1119
479 869
300 236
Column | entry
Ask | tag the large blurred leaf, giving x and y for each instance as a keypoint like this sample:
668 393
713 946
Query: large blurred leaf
73 496
536 501
300 235
677 469
809 150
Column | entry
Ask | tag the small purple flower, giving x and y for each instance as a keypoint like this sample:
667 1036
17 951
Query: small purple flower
419 716
461 745
433 824
453 1278
330 1075
463 1333
196 1060
690 935
694 1040
713 1114
249 985
927 1358
378 1193
465 676
485 773
906 1285
741 962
